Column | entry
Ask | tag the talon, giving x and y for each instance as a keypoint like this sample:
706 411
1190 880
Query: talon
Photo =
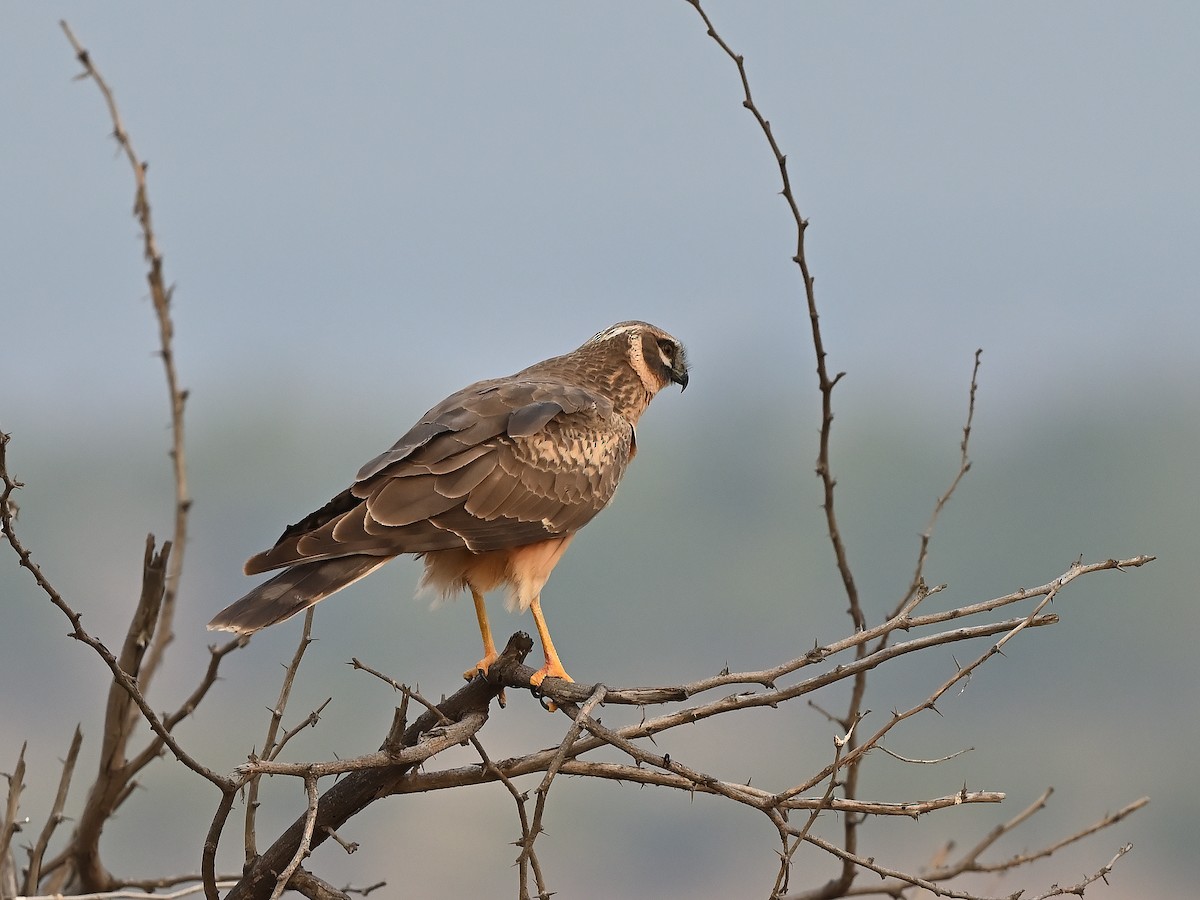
481 667
552 669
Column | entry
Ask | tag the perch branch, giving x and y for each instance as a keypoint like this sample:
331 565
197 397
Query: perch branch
358 789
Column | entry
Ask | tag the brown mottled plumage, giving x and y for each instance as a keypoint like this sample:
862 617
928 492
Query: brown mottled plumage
488 487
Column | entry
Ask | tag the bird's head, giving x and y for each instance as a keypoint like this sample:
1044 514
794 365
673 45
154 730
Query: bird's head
657 357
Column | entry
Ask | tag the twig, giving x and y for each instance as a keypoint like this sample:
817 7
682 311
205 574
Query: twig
964 466
215 655
756 798
270 750
114 779
926 762
212 840
582 716
353 793
826 384
134 895
768 677
79 633
302 851
1100 875
527 859
308 884
1022 859
33 873
160 296
435 741
348 846
785 862
12 809
309 721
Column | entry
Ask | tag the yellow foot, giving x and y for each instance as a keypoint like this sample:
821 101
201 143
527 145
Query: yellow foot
550 670
481 668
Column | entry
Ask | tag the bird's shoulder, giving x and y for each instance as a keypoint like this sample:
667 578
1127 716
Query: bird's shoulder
520 412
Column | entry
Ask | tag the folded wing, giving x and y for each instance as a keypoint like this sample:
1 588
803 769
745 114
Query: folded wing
499 464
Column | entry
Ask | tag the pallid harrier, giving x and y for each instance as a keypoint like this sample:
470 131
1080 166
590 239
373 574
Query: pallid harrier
488 487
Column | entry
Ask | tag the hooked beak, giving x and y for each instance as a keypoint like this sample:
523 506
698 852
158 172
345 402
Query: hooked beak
679 373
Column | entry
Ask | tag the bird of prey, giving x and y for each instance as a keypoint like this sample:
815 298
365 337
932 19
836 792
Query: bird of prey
488 488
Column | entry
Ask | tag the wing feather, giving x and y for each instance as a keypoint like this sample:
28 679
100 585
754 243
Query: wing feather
462 481
500 464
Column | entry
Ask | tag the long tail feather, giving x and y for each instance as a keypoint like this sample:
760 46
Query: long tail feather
293 590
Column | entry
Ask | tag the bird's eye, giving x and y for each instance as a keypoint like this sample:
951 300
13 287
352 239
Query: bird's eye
666 349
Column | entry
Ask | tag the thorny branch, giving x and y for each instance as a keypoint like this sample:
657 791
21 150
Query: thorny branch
11 823
467 711
149 631
916 587
271 749
34 871
120 676
160 296
826 385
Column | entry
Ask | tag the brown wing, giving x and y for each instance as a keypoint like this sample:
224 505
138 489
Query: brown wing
499 464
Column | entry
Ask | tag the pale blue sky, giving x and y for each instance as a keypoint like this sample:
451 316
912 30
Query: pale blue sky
397 189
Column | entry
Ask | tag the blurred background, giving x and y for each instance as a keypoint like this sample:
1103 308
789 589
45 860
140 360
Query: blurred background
366 207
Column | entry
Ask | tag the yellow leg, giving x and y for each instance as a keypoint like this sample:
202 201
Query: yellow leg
485 631
553 668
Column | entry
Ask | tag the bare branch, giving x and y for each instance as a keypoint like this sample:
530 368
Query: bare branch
121 894
270 749
33 873
1077 889
527 859
818 655
361 788
926 762
308 884
114 777
216 654
302 851
580 717
964 466
160 296
7 526
434 741
12 824
797 838
1024 858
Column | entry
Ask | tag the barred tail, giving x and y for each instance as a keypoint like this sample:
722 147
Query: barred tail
293 590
